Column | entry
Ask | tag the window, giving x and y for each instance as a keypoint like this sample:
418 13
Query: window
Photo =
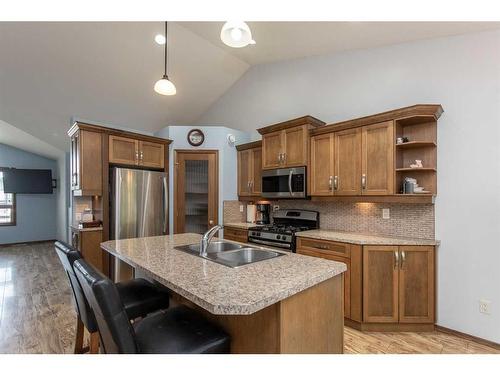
7 206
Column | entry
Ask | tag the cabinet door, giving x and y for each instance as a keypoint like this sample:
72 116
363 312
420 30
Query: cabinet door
123 150
244 166
256 178
378 159
295 146
75 162
347 178
89 163
380 284
347 274
271 150
321 170
416 284
151 154
90 247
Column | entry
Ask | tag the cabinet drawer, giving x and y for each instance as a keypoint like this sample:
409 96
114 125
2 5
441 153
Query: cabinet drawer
235 234
327 247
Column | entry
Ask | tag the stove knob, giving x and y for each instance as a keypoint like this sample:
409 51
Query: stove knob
278 237
258 234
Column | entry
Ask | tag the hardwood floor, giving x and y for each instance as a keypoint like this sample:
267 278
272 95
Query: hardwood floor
37 314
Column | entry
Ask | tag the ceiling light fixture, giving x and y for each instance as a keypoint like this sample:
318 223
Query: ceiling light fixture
164 86
236 34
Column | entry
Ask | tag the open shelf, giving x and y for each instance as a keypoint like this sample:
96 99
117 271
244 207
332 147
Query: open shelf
415 144
415 169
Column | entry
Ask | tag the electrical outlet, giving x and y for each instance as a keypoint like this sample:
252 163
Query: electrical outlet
78 216
241 208
276 207
484 306
386 213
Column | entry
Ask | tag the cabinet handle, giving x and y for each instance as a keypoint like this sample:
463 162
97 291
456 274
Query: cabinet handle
284 157
336 182
321 247
142 156
279 158
396 259
363 181
403 258
137 155
330 185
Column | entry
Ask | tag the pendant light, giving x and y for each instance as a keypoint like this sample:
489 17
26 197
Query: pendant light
164 86
236 34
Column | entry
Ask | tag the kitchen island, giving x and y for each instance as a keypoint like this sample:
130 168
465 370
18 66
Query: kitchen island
288 304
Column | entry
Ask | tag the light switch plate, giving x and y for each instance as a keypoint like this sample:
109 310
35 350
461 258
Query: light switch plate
241 208
485 306
386 213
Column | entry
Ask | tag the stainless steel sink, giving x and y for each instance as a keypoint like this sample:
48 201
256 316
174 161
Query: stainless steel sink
246 255
231 254
213 247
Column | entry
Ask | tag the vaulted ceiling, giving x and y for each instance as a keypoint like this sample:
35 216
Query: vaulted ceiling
105 71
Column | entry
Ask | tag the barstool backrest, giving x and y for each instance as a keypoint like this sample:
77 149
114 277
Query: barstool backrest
116 332
68 255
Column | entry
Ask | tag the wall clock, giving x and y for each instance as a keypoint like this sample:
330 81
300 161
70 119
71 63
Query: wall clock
195 137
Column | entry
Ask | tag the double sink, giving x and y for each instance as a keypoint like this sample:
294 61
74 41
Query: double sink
231 254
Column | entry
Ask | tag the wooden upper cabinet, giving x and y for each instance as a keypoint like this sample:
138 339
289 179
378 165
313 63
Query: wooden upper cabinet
250 169
123 150
347 157
151 154
377 161
272 155
416 284
322 168
86 165
129 151
380 284
287 144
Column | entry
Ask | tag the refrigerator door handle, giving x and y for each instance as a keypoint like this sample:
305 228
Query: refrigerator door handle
165 205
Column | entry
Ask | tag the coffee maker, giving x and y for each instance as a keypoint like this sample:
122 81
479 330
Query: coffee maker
262 216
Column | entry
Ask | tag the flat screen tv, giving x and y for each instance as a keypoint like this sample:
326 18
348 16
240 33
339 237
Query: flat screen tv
27 181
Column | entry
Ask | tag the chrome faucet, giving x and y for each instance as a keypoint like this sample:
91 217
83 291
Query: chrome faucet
207 237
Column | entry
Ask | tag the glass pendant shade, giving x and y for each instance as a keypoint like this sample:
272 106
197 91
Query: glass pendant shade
236 34
165 87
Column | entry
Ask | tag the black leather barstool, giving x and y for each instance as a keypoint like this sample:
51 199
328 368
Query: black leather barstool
139 298
174 331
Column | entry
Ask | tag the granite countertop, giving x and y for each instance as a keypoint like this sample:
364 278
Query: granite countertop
242 225
219 289
363 239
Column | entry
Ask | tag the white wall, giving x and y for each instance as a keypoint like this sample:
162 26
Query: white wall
215 139
463 74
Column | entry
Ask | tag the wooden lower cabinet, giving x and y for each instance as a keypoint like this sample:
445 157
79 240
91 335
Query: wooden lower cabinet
385 287
88 243
235 234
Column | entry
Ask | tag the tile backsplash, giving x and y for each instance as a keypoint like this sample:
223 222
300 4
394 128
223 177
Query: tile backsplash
406 220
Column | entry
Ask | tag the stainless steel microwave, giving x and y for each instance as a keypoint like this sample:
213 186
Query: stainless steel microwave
284 183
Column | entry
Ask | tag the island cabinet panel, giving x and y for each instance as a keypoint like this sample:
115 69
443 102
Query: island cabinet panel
380 284
347 156
377 167
250 172
86 167
123 150
272 155
151 154
235 234
416 284
88 243
322 168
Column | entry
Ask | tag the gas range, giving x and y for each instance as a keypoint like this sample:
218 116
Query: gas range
285 224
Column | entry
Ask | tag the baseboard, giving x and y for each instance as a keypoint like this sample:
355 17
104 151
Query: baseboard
389 327
25 243
479 340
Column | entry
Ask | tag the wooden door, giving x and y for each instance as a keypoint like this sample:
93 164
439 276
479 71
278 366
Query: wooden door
380 284
378 159
321 169
416 284
244 171
151 154
196 190
256 178
123 150
295 146
272 150
347 177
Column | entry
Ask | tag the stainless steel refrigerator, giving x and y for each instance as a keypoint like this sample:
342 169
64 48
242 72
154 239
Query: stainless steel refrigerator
138 207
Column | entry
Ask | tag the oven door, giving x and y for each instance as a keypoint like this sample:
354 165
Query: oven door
284 183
